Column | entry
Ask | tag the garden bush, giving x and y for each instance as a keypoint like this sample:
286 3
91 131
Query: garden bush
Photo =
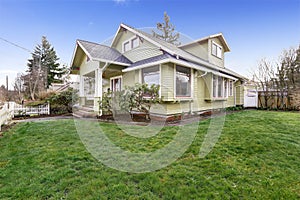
62 103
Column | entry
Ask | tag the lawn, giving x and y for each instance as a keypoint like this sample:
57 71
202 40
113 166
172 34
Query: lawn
256 157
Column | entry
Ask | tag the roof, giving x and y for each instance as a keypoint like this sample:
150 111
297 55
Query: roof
101 52
176 52
218 35
171 53
150 60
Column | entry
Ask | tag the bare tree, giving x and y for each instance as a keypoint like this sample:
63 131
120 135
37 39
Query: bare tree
264 75
19 86
3 93
289 68
33 81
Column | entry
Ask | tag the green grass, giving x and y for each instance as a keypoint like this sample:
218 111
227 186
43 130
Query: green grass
256 157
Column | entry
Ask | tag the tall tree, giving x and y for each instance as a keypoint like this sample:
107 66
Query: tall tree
45 60
167 30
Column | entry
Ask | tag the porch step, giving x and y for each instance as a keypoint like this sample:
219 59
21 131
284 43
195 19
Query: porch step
84 112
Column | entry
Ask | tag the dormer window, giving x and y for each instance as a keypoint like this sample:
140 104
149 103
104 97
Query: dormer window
216 50
132 43
126 46
135 42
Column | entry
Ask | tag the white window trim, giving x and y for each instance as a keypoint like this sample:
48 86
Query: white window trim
112 78
225 88
230 91
191 94
130 43
123 49
160 82
217 88
214 43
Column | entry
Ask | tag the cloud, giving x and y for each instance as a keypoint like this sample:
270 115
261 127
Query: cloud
120 1
91 23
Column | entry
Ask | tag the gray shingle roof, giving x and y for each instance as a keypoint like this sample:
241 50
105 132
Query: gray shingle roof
151 60
98 51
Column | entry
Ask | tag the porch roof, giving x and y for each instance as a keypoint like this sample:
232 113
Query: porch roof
165 58
101 52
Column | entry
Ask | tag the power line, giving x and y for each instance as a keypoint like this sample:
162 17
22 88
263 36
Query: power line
16 45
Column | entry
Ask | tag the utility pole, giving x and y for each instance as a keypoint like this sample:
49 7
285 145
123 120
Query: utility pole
7 96
7 83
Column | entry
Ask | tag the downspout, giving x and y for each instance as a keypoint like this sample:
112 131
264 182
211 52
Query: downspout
202 75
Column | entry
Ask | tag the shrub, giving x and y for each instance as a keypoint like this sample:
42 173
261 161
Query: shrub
64 101
106 103
59 109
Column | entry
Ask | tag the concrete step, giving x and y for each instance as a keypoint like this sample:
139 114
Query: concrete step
84 112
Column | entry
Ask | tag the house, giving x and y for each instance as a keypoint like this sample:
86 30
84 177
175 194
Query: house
192 77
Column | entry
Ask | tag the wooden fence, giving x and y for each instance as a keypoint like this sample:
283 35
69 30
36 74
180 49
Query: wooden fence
275 100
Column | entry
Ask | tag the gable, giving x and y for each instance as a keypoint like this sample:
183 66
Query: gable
78 57
144 50
199 49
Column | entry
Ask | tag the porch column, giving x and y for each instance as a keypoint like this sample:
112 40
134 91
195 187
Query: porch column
98 89
81 91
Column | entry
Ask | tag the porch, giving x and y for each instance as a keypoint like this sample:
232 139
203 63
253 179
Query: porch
93 84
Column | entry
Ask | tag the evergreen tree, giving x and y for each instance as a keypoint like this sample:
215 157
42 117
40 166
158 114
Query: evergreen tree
167 31
45 61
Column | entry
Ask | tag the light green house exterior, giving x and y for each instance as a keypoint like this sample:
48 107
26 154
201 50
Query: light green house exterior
192 77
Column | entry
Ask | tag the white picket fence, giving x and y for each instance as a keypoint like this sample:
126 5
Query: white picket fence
29 110
12 109
6 114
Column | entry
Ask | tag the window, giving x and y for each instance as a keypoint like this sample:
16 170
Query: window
216 50
126 46
151 75
215 80
131 44
115 84
225 88
135 42
220 87
183 81
230 88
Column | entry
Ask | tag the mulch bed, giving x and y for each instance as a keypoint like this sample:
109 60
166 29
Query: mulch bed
22 117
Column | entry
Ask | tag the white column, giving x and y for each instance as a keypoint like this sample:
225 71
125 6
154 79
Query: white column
81 86
98 89
96 83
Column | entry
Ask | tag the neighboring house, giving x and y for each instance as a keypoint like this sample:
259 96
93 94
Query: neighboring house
192 76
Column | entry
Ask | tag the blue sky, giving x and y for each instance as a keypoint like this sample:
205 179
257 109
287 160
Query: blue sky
253 29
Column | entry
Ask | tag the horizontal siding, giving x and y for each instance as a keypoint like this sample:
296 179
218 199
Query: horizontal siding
167 81
88 66
128 79
198 49
213 59
144 51
230 101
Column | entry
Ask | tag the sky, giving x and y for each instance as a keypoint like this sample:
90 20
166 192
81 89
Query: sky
253 29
